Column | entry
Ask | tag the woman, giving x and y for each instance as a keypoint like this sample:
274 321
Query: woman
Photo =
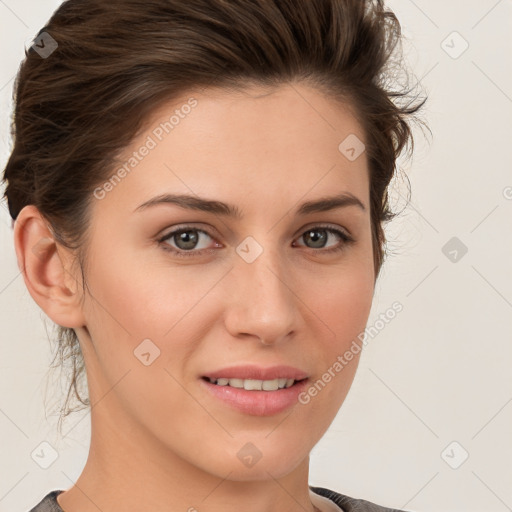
199 190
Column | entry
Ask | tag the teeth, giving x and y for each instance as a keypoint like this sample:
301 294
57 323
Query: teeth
236 383
253 384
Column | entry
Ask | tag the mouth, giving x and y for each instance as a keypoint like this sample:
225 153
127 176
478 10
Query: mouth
255 384
255 397
256 390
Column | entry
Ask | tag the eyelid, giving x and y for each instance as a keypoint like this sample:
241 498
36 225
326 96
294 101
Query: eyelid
325 225
204 228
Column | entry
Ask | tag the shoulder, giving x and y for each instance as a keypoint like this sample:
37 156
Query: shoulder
348 504
48 503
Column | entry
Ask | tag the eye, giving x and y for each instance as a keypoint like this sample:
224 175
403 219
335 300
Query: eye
186 240
319 235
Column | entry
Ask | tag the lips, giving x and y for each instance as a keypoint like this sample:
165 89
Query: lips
257 373
256 390
254 402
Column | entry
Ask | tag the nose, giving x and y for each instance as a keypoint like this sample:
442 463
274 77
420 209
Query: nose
262 304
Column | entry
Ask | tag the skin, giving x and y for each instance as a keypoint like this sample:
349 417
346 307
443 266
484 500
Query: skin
157 437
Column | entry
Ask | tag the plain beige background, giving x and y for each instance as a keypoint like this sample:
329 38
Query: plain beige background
426 426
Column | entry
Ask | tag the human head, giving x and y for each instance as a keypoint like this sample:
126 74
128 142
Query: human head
118 61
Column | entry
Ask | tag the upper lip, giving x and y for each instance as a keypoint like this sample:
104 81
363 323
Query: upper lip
258 373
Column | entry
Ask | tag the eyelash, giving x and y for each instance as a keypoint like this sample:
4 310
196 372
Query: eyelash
346 240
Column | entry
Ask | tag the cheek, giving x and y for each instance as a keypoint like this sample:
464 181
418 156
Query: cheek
342 307
173 307
344 301
143 298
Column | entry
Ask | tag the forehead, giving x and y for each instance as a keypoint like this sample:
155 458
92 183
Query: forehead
287 141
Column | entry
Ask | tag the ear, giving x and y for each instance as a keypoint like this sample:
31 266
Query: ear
46 268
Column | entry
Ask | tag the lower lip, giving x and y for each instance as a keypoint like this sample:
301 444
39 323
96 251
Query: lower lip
257 403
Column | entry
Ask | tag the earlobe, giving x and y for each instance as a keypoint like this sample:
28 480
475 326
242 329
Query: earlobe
46 269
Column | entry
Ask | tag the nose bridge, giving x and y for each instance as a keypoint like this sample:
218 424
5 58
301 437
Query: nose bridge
263 304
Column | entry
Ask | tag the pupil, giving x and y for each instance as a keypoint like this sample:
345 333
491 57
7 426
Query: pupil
189 240
315 239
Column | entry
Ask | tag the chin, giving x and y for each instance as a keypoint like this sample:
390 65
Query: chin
251 464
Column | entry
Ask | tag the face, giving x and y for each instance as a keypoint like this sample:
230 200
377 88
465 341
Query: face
260 276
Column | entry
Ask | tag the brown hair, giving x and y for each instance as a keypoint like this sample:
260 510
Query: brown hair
118 60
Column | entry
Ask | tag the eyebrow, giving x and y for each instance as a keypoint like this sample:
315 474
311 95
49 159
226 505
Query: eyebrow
219 208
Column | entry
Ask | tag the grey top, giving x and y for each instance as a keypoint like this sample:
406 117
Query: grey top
346 503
